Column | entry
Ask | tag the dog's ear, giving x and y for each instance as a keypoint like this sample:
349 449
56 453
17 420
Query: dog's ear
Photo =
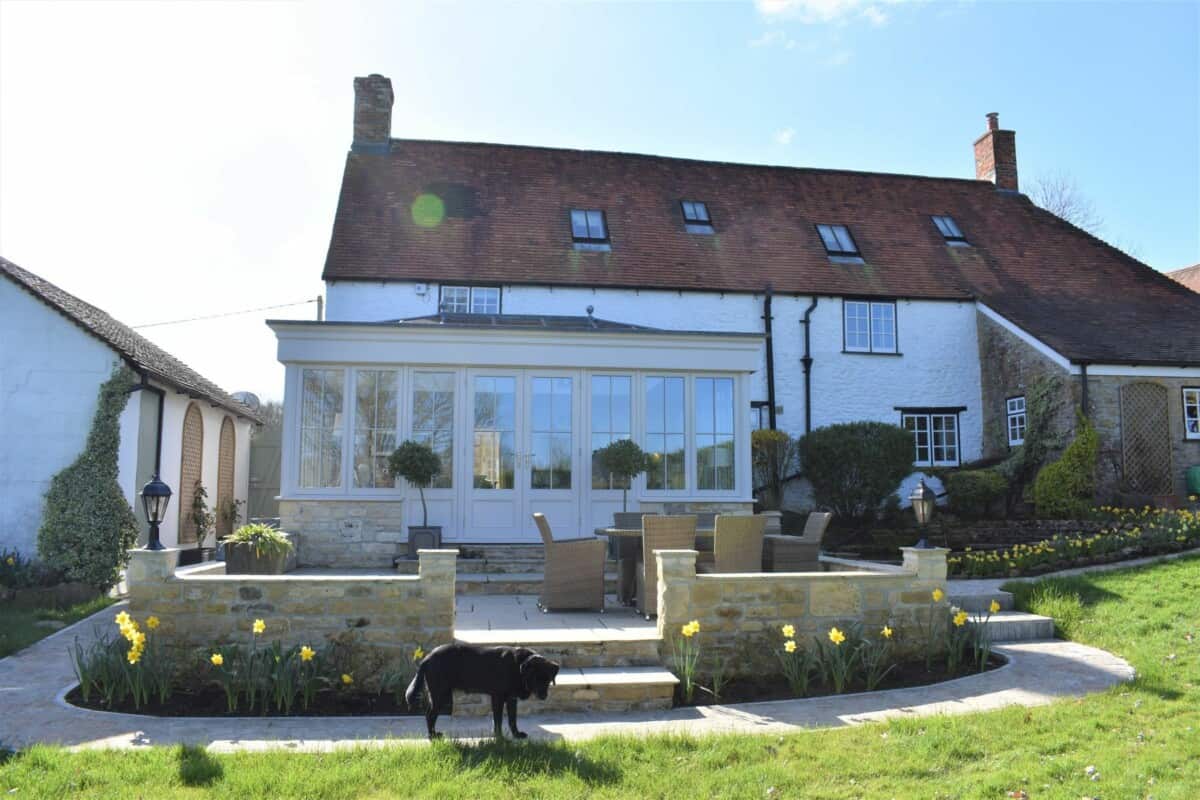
551 670
528 671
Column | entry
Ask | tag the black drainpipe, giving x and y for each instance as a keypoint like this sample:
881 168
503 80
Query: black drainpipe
145 386
806 362
1083 394
770 358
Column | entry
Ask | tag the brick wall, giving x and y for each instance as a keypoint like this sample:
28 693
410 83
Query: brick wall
393 612
344 533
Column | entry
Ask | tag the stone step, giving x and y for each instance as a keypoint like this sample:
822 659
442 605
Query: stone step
513 583
980 601
618 648
592 689
1019 626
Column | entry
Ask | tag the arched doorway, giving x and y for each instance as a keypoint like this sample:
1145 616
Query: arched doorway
1145 438
190 470
226 449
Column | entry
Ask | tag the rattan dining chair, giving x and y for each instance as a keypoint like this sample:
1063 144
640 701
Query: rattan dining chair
737 544
574 573
660 533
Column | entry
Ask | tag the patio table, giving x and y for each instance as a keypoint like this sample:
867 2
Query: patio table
627 550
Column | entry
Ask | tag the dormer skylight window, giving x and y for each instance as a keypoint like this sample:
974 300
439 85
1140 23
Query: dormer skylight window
838 241
949 230
695 217
589 229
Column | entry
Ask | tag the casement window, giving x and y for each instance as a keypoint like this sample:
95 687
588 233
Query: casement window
550 433
949 230
870 327
838 241
321 409
375 415
1191 412
1015 414
495 441
433 420
612 420
665 433
760 415
589 229
935 437
714 434
470 300
696 218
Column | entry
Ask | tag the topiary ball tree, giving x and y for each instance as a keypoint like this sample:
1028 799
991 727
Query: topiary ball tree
623 458
854 466
418 464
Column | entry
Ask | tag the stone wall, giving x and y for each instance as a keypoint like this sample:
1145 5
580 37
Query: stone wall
345 533
740 615
392 612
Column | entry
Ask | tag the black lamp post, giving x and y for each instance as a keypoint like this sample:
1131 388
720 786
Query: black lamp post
923 502
155 497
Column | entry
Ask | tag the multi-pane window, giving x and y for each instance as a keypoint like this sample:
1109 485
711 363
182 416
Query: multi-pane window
870 326
588 226
948 228
935 438
1015 413
714 433
495 432
470 300
837 240
612 403
1191 412
433 420
695 217
374 427
550 433
665 432
321 428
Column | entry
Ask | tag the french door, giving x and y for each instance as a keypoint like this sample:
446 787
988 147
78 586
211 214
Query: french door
524 453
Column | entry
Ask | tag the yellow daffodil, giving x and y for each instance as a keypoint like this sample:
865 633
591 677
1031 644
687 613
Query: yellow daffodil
789 631
217 659
886 632
152 622
994 607
259 626
691 629
938 595
960 619
122 619
836 636
347 679
789 646
10 561
134 656
418 654
307 653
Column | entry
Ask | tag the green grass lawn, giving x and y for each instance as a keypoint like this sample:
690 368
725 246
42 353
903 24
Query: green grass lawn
1143 738
19 628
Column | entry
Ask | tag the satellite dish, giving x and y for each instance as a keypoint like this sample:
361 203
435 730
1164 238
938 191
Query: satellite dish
248 399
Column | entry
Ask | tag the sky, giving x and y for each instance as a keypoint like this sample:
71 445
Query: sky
171 160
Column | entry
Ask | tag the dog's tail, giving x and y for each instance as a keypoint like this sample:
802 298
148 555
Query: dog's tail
410 695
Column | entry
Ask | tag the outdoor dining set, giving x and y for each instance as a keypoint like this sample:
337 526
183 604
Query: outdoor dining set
575 568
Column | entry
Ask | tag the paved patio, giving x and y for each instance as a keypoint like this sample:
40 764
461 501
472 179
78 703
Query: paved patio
33 682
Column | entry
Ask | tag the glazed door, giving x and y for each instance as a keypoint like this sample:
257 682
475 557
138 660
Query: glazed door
550 474
494 497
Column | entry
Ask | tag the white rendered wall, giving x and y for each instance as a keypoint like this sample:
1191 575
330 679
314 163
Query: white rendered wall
50 373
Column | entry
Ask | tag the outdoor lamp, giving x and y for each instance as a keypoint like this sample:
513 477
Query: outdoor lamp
155 497
923 501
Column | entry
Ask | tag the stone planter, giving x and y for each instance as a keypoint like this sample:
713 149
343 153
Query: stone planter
241 559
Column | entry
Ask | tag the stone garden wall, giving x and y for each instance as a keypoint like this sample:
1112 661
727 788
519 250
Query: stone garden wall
391 612
344 533
740 615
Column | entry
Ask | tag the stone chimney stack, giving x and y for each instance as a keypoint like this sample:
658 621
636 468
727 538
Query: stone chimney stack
372 114
996 155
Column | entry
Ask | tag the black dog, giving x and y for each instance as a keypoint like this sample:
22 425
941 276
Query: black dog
507 674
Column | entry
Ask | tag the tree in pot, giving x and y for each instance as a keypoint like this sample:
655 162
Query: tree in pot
623 459
419 465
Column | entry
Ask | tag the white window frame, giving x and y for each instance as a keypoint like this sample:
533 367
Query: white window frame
591 431
929 417
296 469
694 456
476 299
1191 402
353 430
410 400
688 460
872 307
1016 420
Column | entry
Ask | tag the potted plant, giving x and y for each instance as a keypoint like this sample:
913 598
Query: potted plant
203 520
257 549
419 465
229 514
623 459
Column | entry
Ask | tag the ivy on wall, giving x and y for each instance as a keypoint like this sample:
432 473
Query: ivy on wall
88 526
1043 401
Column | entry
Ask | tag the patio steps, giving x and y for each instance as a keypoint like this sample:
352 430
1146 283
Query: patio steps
577 650
977 600
589 690
1019 626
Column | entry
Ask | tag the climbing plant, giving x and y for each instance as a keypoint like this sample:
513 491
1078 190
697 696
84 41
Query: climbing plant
1066 489
1043 400
88 526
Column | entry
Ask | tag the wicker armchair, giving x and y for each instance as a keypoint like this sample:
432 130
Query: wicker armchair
574 576
814 527
738 544
660 533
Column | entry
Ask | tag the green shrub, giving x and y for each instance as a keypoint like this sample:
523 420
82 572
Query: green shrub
854 466
418 464
973 492
773 458
625 460
88 526
265 540
1066 488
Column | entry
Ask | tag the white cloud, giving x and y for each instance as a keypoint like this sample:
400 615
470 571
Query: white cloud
784 136
839 58
826 11
768 38
875 15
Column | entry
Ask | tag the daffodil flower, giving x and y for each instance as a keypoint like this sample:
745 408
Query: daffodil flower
259 626
789 631
217 659
789 646
307 653
836 636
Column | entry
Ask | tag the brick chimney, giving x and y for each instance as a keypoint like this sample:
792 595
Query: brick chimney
996 155
372 114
